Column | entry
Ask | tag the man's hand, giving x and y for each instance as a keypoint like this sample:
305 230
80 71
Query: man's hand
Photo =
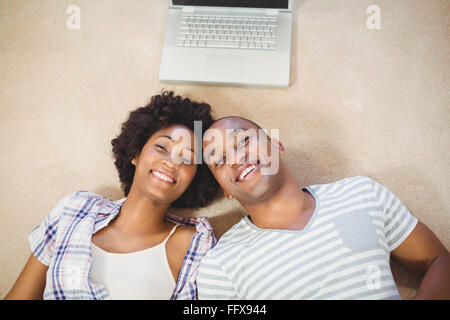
424 255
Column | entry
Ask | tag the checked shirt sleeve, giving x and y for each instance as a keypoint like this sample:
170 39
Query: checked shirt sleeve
42 238
202 242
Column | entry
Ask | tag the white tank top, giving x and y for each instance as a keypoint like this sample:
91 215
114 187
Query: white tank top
138 275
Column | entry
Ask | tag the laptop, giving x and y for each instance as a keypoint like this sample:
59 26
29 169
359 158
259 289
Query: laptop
235 42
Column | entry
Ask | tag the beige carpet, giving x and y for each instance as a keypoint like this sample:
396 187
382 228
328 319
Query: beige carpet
361 102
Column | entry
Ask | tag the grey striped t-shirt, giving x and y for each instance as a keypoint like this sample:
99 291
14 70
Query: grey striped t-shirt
342 253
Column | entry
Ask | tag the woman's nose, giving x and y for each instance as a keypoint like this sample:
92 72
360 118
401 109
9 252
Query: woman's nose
170 162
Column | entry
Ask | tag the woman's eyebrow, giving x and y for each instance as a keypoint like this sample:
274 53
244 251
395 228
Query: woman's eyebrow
166 136
170 138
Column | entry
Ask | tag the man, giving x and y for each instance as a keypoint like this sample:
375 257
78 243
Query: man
325 241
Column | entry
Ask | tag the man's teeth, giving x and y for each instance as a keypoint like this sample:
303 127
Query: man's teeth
162 176
246 171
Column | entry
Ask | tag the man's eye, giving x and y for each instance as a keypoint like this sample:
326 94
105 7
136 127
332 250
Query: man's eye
161 147
243 141
219 163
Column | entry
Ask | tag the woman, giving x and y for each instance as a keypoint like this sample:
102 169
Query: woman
89 247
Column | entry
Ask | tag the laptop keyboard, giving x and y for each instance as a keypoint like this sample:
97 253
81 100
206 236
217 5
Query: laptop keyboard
228 32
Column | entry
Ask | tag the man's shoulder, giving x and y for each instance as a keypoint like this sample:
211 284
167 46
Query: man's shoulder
341 183
230 239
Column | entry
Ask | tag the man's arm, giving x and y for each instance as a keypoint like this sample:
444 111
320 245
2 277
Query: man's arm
424 255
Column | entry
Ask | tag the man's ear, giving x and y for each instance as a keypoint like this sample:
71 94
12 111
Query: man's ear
278 144
133 161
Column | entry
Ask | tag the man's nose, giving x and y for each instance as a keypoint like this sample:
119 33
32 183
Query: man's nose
238 159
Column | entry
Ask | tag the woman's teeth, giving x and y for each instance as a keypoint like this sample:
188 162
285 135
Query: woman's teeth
246 171
163 176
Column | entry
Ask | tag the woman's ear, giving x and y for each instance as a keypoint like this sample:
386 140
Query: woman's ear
135 159
229 196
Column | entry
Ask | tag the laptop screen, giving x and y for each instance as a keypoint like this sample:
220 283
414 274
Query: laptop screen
269 4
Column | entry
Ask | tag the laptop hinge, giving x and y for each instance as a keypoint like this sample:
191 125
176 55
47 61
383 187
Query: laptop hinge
188 9
272 12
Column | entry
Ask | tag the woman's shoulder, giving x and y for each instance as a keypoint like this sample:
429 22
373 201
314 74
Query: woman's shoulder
80 195
186 231
200 224
184 234
84 200
83 195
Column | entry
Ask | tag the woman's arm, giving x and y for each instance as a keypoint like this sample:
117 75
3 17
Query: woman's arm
31 283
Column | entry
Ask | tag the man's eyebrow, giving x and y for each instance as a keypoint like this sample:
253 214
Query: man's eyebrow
235 130
213 151
170 138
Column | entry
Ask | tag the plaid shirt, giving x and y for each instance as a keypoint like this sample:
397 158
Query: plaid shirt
63 243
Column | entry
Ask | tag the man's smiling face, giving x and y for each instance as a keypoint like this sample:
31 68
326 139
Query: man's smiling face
237 151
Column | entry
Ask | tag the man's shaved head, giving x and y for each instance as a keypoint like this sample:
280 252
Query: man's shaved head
233 118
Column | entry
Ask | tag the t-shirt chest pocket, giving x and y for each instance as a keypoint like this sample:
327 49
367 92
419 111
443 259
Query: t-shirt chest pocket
356 230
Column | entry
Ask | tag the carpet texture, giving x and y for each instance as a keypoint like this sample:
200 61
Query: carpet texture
360 102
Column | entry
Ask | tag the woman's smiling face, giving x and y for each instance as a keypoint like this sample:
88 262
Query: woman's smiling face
166 164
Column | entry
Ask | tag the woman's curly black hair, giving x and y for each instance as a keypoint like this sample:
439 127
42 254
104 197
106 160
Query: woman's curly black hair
163 110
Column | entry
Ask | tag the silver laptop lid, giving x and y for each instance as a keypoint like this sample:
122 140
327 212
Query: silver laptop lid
281 5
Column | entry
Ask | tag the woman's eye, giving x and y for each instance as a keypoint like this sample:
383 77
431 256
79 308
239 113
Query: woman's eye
161 147
187 161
